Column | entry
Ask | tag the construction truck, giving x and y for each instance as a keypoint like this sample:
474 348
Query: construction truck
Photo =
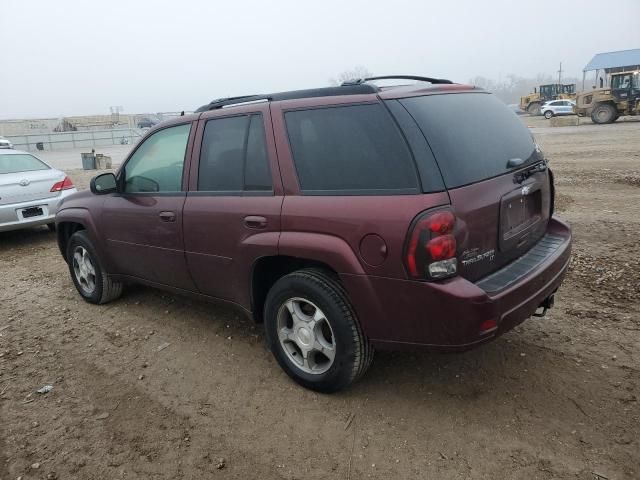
544 93
605 105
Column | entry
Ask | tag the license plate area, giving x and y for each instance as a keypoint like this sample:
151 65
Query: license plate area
520 212
32 212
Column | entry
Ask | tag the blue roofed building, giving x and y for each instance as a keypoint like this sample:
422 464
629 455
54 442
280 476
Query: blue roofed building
607 63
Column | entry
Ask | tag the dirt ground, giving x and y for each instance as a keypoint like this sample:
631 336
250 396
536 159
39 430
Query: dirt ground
158 386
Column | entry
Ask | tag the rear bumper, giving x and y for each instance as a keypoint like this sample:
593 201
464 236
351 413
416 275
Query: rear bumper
11 217
450 315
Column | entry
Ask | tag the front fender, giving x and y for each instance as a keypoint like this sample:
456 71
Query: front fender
80 216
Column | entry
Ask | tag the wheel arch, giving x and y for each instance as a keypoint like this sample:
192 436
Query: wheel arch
266 271
70 221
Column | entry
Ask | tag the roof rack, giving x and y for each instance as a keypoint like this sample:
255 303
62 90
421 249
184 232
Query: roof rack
222 102
360 81
345 89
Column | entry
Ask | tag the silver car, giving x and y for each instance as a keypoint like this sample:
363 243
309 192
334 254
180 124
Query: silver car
30 191
557 107
5 143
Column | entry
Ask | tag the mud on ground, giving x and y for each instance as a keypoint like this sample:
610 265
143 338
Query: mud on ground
158 386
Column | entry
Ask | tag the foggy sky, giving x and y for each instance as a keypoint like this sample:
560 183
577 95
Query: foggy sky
66 57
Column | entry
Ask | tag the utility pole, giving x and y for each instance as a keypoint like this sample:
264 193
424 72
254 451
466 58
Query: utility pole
560 75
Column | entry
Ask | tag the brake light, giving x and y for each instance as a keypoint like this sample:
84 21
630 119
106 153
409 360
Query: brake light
65 184
431 250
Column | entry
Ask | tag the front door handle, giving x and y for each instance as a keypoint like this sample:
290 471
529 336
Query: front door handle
255 221
167 216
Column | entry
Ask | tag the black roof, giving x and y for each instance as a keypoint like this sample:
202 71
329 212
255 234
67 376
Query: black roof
351 87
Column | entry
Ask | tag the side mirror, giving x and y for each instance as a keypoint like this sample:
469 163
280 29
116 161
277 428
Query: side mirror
103 184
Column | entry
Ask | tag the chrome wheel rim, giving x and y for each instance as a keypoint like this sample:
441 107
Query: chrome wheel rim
84 270
306 336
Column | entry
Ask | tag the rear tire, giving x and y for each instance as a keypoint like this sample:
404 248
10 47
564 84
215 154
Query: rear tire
87 273
604 113
548 114
343 354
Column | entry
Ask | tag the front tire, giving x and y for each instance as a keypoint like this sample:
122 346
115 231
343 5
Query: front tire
604 113
548 114
313 332
87 273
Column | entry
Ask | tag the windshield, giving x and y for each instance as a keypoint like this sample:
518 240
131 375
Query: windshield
472 135
21 162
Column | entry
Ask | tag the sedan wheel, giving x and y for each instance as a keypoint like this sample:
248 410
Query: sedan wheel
306 336
84 270
548 114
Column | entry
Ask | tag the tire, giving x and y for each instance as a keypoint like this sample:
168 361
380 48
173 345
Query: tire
548 114
604 113
51 227
91 281
307 295
534 109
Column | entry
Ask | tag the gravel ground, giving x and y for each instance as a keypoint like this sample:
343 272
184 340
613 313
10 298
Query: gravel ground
158 386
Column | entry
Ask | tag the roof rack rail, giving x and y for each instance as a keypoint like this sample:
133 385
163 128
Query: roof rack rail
222 102
346 89
359 81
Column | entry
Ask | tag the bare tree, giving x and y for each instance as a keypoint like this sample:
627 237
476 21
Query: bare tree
354 74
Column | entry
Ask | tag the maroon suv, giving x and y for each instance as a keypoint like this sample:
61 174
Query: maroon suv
344 218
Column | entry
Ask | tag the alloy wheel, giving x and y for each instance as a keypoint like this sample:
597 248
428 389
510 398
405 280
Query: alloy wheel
306 336
84 270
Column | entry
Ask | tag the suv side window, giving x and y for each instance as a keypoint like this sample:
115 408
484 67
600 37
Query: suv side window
233 157
350 150
157 165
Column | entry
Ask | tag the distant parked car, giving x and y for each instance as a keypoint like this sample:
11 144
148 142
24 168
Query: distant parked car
146 123
557 107
4 143
30 191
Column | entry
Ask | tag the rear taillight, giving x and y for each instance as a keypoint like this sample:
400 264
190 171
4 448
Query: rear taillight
65 184
431 251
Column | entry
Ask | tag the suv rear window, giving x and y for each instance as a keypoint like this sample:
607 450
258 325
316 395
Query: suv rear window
350 150
472 135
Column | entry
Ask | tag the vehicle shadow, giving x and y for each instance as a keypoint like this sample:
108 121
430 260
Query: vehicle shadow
26 238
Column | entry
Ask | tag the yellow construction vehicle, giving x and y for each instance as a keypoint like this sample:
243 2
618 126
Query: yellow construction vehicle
544 93
605 105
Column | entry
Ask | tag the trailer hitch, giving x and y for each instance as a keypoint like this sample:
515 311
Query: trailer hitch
545 305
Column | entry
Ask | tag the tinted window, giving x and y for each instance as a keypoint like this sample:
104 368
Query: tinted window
472 135
21 162
157 164
234 155
257 175
354 149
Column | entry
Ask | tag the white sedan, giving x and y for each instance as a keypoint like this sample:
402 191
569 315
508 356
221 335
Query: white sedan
30 191
557 107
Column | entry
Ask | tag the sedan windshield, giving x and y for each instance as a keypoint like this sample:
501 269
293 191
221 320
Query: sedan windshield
21 162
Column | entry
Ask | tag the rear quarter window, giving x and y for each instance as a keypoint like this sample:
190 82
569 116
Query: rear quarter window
350 150
20 163
472 135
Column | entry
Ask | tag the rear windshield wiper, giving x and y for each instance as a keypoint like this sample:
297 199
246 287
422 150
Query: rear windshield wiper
524 174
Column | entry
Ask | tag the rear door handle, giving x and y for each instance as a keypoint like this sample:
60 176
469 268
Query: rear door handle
167 216
255 221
